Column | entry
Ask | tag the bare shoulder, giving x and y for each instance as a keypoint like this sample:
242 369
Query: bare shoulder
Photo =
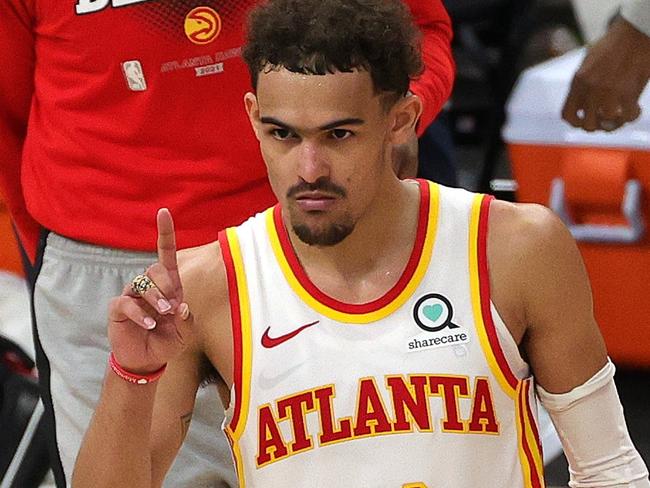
538 275
201 264
533 260
203 276
205 289
529 241
529 229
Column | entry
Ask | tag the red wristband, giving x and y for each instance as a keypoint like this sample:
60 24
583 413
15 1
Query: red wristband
137 379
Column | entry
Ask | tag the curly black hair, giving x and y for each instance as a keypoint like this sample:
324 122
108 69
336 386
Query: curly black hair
325 36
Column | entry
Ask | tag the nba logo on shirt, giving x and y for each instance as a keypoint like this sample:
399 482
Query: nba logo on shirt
134 75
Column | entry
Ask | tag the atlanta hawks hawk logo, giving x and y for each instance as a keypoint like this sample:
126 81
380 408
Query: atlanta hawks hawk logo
202 25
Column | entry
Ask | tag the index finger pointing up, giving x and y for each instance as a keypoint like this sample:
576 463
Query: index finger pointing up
166 240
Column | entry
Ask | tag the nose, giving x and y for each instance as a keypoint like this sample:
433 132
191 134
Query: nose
312 163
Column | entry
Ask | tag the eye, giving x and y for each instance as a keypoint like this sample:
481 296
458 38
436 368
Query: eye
340 134
281 134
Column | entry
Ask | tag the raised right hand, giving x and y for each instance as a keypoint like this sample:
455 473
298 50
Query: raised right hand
146 332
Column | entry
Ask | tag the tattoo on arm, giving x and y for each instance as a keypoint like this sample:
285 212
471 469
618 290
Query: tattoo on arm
185 425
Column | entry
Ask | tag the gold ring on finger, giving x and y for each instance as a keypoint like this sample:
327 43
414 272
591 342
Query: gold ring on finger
141 283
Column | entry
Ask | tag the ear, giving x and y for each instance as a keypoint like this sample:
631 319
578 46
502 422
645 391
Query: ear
405 115
253 111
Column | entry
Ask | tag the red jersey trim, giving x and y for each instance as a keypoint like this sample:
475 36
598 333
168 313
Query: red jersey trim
526 421
235 314
362 308
242 343
533 422
484 292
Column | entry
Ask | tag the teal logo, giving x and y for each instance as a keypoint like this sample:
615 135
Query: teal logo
433 312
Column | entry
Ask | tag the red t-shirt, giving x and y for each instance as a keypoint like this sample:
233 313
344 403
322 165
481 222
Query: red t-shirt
110 109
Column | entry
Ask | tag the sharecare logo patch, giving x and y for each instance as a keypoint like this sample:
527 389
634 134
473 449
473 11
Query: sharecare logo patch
202 25
433 313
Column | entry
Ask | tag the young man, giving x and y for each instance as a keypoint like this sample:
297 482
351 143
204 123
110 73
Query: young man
366 331
102 104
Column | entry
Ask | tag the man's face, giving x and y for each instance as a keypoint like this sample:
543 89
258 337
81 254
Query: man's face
325 140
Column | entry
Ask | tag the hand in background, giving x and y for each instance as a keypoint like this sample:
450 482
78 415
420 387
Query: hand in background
605 91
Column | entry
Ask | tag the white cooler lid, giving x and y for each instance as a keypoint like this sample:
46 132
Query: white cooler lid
535 106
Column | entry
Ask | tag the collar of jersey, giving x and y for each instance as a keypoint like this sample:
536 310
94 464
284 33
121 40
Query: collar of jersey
360 313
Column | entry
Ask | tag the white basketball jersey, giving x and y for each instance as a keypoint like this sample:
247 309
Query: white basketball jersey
421 388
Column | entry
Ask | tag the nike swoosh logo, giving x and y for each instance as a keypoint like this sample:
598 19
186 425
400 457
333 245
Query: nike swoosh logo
269 382
270 342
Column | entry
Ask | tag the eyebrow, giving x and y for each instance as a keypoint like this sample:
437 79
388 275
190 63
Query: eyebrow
329 126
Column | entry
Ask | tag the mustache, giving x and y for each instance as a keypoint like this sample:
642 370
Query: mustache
323 184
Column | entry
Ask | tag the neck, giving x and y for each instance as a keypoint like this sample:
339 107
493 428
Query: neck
371 259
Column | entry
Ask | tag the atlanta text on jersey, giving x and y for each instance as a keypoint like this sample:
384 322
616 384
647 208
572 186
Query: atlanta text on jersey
409 408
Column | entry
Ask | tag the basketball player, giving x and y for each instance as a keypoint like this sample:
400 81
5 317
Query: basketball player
102 104
366 331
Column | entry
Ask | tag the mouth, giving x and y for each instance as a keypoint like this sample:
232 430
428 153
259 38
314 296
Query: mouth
315 201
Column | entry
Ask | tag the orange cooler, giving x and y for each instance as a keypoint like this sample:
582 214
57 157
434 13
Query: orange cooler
599 184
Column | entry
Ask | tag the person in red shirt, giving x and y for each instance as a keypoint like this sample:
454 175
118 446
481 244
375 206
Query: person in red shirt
319 315
103 105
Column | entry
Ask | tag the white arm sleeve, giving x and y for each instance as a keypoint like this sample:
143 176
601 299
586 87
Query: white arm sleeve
589 420
637 13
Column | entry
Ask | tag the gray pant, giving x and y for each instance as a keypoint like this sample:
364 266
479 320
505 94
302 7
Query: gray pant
71 296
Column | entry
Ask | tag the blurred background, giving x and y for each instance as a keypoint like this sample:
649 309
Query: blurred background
501 133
